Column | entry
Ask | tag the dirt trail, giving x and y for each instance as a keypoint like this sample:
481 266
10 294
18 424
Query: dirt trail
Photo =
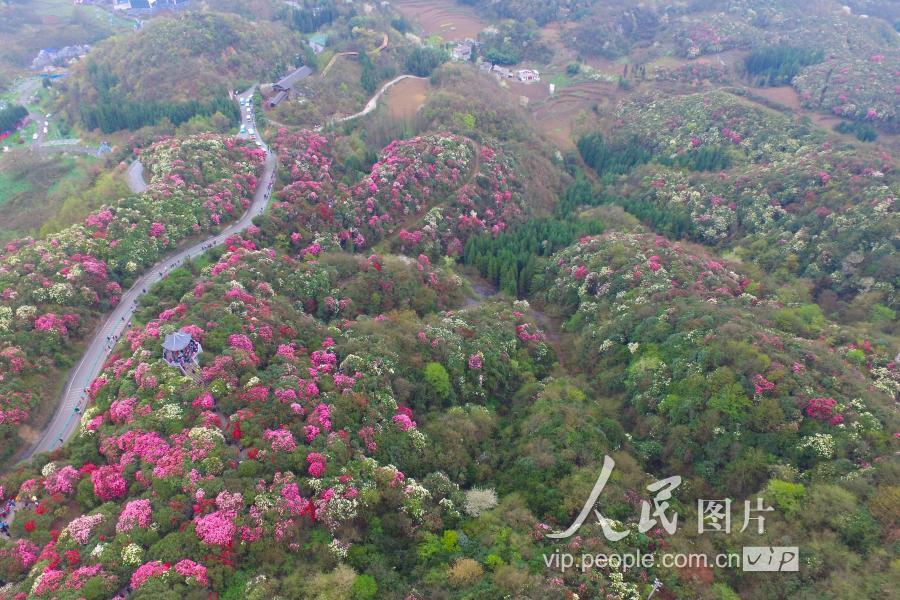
554 337
550 326
484 290
384 44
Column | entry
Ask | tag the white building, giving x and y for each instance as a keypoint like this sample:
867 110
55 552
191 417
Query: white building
528 75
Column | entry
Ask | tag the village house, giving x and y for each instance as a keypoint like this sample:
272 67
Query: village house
528 75
317 42
462 52
502 71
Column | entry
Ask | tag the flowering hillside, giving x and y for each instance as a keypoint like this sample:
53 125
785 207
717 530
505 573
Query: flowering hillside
681 125
431 192
52 290
786 198
692 343
299 435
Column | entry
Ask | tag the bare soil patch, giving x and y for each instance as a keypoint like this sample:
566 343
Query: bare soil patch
404 99
558 116
784 95
533 91
788 97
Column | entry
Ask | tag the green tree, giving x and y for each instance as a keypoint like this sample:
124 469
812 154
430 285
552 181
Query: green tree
364 588
438 380
423 61
786 495
369 77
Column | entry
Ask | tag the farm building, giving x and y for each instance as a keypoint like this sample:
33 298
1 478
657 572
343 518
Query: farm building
288 81
528 75
277 99
462 52
283 86
317 42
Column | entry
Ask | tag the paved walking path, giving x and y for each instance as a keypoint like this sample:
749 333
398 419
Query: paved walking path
134 177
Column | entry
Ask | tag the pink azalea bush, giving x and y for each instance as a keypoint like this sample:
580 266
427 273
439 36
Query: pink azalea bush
281 439
217 528
136 513
108 483
62 481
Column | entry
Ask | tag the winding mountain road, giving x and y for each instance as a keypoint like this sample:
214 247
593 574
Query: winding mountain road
134 177
24 92
66 419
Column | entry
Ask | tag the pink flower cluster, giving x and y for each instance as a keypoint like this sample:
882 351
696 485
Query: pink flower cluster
108 483
192 570
239 341
823 409
316 464
762 385
80 528
62 481
54 323
157 230
147 570
404 421
282 440
217 528
204 401
524 333
136 513
122 411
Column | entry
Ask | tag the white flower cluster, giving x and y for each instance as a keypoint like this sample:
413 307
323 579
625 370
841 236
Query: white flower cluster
821 444
479 501
339 549
132 554
414 499
86 417
5 318
170 412
205 434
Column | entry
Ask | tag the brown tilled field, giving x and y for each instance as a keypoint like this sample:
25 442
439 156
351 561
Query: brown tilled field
557 116
404 99
445 18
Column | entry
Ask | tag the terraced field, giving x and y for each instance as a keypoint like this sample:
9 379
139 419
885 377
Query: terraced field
445 18
557 115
